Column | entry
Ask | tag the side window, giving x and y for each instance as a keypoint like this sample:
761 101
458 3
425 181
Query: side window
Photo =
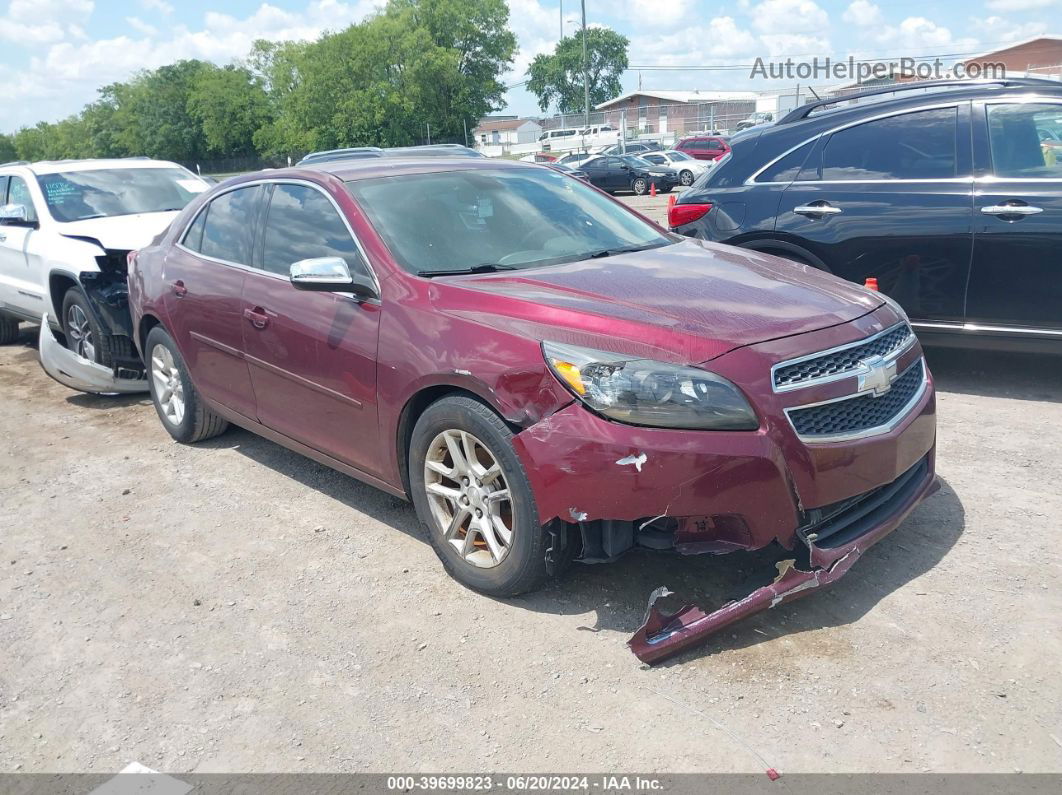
193 238
786 169
229 224
918 145
3 190
18 193
714 146
1026 140
302 223
658 159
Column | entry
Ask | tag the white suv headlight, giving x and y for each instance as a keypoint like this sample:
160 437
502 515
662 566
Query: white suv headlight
646 392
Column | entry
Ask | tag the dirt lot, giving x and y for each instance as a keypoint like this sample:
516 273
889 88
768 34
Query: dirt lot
235 607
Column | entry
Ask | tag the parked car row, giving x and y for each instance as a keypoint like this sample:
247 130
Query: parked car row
536 366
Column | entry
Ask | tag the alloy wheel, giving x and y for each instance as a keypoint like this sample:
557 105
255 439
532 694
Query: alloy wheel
686 178
169 389
469 498
79 333
639 186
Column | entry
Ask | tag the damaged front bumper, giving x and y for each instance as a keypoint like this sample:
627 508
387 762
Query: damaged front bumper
74 372
872 517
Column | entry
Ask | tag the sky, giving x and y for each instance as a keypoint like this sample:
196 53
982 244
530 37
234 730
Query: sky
54 54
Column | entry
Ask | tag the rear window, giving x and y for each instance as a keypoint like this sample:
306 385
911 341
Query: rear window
227 226
919 145
787 168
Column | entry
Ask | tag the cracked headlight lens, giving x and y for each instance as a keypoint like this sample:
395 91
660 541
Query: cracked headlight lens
647 392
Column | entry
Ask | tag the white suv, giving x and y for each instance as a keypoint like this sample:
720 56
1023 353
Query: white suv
66 228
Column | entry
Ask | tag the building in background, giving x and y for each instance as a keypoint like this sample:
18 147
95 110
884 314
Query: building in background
668 115
1040 56
498 135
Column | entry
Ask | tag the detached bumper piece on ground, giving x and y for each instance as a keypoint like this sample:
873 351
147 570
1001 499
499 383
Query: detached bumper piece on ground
836 539
79 373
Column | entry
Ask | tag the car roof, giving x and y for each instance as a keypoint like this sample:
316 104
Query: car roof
95 164
368 168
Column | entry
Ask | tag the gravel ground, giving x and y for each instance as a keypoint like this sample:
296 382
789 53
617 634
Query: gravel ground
233 606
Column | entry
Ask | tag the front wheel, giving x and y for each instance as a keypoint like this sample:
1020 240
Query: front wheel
686 177
183 412
640 187
471 492
82 332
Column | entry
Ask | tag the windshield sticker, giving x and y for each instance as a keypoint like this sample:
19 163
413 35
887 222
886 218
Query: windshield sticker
193 185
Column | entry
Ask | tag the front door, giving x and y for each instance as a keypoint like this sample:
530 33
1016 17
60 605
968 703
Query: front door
890 199
1016 277
204 302
21 284
312 355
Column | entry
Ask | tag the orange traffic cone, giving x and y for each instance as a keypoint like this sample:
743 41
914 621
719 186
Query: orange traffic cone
871 283
652 189
671 201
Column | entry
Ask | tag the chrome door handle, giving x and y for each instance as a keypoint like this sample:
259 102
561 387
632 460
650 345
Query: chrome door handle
1011 209
817 209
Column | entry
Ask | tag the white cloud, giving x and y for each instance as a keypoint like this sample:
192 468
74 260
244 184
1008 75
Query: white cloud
800 45
21 33
158 5
863 13
659 13
999 31
789 16
32 22
141 26
921 36
1019 5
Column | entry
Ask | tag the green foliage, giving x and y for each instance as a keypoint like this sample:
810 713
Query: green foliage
558 78
7 148
382 82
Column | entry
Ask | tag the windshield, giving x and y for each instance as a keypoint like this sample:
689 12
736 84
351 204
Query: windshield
77 195
679 156
512 217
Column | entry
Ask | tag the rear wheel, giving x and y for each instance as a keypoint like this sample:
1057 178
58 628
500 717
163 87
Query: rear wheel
472 493
8 329
182 411
640 186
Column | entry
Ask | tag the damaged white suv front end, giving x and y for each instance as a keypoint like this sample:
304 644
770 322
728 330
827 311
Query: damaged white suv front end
66 231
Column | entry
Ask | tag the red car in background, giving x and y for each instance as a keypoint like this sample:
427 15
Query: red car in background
546 374
704 147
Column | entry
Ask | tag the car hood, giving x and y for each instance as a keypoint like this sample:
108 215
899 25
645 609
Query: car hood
694 299
122 232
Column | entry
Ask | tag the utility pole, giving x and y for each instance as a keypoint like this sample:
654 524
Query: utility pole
562 19
586 78
429 132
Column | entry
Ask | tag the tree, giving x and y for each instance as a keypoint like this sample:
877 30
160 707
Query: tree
7 148
558 78
153 116
230 105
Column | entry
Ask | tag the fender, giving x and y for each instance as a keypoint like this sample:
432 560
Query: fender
776 244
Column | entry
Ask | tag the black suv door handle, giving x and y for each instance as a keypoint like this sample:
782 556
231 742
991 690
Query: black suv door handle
1011 210
817 209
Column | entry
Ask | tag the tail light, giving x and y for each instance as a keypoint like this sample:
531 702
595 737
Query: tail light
681 214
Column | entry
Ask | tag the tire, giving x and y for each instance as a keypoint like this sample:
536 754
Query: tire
194 422
471 425
686 177
640 187
8 329
83 334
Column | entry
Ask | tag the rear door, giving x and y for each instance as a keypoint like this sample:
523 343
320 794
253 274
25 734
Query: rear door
312 355
890 198
205 274
597 172
1016 277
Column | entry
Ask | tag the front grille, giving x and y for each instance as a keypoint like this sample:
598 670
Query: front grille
841 361
842 522
860 413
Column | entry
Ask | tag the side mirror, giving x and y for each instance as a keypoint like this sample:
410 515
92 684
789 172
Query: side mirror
330 275
15 215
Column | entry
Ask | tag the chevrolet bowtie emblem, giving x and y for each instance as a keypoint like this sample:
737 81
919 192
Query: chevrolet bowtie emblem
879 375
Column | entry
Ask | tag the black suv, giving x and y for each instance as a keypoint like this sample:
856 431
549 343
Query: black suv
949 193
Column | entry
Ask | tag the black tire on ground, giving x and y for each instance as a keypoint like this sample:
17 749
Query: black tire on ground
523 568
8 329
198 421
640 187
686 177
85 334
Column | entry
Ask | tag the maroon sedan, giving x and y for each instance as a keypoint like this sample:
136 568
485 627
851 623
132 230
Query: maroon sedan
546 374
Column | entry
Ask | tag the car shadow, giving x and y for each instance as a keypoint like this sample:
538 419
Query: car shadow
1019 376
616 593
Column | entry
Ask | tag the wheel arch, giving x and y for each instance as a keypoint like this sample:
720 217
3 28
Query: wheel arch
147 322
784 248
59 283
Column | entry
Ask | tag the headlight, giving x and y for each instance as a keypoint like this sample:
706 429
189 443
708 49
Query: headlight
645 392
